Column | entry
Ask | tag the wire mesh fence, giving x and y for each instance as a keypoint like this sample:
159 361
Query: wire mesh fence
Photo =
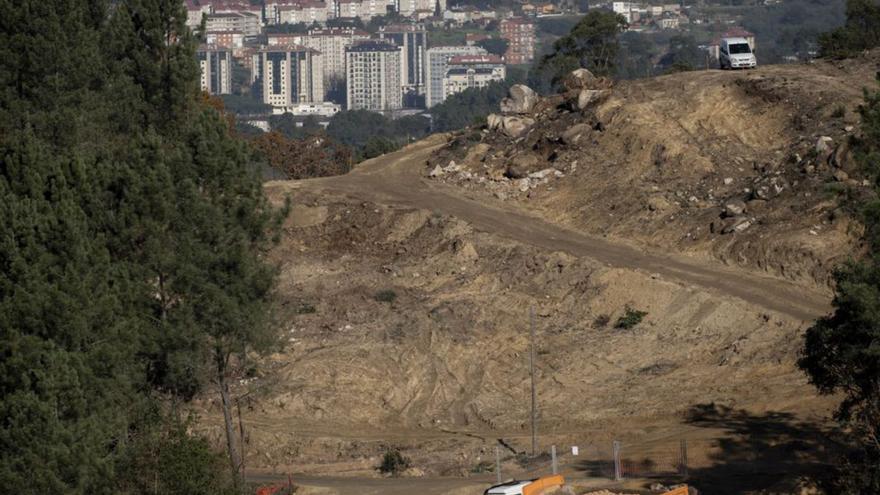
618 460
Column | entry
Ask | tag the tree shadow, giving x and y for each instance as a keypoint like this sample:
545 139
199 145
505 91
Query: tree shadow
760 452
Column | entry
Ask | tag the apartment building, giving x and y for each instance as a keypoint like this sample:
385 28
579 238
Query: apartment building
289 74
472 71
227 39
195 10
413 42
332 42
244 22
373 79
436 67
215 65
308 11
410 7
520 36
365 9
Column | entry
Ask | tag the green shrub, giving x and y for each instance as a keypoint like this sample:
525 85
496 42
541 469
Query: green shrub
483 467
835 188
306 309
630 319
386 295
393 462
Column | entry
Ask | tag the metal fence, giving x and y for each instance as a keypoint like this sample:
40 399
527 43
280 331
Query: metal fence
617 460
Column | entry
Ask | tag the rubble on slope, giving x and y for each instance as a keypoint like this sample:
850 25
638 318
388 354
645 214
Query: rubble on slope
638 163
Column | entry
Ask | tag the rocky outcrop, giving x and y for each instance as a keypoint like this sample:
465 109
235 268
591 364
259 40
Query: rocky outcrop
587 97
512 125
520 99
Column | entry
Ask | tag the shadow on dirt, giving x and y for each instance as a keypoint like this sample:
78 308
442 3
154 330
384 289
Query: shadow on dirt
739 453
769 451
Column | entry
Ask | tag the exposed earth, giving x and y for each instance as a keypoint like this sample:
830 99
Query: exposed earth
406 291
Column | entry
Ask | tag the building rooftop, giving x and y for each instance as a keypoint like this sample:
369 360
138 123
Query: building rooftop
338 31
464 71
373 46
287 47
476 59
402 28
305 4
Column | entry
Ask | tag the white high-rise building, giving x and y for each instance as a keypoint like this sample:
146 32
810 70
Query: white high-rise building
438 58
245 22
332 42
215 64
373 76
410 7
289 74
413 41
365 9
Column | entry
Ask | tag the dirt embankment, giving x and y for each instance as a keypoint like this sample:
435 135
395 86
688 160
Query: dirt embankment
407 327
712 164
405 296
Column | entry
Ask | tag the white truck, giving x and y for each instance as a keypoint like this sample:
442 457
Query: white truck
736 53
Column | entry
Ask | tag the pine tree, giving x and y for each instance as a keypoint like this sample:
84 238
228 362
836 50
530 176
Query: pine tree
131 246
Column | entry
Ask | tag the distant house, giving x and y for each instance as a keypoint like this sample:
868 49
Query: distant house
668 23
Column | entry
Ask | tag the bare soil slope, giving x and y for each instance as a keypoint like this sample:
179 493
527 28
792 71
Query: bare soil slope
405 297
656 162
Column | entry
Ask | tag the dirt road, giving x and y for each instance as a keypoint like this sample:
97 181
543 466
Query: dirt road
397 178
329 485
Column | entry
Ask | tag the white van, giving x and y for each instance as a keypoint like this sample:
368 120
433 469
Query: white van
736 53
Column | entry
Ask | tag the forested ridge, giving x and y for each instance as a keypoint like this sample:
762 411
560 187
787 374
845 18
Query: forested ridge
132 228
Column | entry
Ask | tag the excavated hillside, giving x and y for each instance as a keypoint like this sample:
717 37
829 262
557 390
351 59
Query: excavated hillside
700 199
743 167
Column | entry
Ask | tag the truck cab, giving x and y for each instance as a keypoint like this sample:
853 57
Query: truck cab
736 53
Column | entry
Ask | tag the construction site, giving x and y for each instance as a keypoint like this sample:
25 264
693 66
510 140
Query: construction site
642 260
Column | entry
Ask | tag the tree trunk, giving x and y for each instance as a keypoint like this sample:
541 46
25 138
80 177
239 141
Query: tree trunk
231 443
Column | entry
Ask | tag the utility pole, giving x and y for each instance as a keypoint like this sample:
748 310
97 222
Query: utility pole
532 376
498 464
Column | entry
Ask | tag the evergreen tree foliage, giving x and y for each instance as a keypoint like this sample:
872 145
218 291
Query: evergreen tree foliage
469 107
132 236
861 31
842 351
592 44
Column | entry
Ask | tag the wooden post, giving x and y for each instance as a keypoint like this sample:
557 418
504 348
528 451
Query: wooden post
532 376
683 465
498 464
615 450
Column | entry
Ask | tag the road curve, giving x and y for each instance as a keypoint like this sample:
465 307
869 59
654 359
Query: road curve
397 178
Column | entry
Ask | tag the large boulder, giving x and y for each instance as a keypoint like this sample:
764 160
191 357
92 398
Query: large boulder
520 99
580 79
494 121
515 126
587 97
521 166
